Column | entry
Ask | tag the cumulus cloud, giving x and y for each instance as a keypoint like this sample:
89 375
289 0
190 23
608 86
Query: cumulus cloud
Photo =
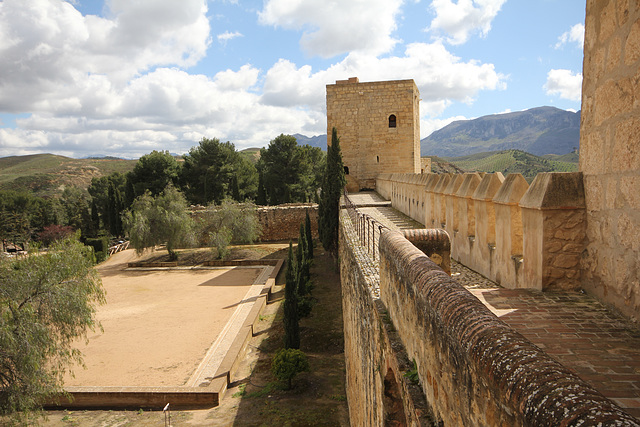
462 18
119 84
333 27
574 35
49 49
440 76
565 84
226 36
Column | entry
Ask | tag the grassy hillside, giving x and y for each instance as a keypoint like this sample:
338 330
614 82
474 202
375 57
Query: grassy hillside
440 165
251 154
49 174
515 161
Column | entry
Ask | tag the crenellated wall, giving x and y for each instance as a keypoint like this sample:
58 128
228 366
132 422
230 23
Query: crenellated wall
515 234
411 319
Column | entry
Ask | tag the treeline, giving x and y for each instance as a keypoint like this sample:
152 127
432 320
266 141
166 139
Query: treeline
211 172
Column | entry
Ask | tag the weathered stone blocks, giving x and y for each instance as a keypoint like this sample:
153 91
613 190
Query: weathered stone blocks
609 152
370 146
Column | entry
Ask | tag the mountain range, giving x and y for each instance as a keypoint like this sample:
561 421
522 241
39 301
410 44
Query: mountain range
539 131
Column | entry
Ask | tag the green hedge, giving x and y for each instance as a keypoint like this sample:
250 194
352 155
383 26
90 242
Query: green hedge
100 247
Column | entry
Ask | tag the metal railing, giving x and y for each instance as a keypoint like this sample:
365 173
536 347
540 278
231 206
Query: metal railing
367 228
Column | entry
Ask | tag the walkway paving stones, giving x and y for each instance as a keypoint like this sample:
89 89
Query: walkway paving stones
574 328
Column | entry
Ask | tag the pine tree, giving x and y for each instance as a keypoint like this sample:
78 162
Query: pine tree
291 325
309 236
332 187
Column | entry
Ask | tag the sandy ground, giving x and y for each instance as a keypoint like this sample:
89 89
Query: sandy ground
157 325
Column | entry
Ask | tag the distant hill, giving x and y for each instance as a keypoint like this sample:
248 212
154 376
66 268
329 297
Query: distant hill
251 154
540 131
515 161
319 141
440 165
49 174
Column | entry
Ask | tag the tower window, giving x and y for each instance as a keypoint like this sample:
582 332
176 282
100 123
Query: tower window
377 159
392 121
346 170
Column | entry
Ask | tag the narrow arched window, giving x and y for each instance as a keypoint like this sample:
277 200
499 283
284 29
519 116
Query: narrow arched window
346 170
392 121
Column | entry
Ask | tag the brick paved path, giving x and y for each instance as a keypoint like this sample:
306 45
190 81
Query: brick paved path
582 334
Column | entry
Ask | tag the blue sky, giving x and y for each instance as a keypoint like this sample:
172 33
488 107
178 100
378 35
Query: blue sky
123 78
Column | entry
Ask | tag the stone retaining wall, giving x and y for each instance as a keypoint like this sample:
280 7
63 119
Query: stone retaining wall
282 222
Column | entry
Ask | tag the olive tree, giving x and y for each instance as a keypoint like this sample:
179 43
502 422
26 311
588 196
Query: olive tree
47 301
219 225
159 220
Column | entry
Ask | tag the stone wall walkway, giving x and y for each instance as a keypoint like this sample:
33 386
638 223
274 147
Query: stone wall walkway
578 331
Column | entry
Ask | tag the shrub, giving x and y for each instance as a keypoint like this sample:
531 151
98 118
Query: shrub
287 363
100 247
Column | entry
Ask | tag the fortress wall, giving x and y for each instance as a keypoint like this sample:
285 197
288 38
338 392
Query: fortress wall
515 234
610 152
473 368
282 222
375 359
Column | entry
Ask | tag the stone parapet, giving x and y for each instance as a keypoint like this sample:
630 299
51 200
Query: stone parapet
502 227
466 235
473 368
509 249
554 228
483 250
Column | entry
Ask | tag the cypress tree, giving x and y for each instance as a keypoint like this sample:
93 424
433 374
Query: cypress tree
262 194
95 218
309 236
235 189
303 277
291 326
332 187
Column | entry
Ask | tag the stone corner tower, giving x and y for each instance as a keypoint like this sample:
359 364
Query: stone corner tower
378 124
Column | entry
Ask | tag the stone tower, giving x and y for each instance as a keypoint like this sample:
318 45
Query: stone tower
378 124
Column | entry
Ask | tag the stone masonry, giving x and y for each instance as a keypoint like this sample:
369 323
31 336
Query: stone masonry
610 152
378 124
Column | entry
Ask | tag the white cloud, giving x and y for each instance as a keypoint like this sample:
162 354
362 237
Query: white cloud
574 35
118 84
428 126
333 27
440 76
49 49
462 18
226 36
565 84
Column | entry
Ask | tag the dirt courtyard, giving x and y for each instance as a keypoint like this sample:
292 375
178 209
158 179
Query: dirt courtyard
158 324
